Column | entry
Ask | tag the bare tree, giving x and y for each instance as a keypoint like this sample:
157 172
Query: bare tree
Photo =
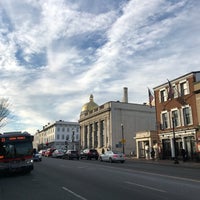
4 111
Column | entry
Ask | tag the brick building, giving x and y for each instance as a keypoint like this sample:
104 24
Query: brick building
178 116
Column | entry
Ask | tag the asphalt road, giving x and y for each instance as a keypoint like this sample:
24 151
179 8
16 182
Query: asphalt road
57 179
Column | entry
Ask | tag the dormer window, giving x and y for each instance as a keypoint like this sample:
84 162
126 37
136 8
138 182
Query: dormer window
183 88
163 95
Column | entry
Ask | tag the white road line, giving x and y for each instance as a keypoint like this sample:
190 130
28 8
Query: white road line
73 193
144 186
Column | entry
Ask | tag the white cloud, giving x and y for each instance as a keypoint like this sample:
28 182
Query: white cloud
54 54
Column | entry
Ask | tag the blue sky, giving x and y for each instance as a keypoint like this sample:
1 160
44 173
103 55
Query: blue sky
55 53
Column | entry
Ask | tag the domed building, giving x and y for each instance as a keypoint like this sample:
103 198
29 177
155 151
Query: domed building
91 105
102 127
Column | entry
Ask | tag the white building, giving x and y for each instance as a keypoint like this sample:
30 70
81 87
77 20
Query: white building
60 134
114 124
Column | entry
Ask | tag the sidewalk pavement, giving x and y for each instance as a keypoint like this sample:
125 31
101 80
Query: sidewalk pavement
189 164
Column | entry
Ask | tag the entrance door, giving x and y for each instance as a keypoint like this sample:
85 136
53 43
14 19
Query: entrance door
166 149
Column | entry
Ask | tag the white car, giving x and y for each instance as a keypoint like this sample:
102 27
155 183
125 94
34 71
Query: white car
112 156
58 153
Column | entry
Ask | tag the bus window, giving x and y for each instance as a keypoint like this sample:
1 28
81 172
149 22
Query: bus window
2 150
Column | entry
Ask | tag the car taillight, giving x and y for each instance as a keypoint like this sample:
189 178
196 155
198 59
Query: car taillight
115 156
1 157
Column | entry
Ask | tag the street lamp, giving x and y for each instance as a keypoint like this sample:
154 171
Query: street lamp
122 126
174 141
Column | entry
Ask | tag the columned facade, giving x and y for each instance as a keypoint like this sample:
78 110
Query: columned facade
94 132
101 126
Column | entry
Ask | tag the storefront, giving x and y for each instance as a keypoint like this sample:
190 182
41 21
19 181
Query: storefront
145 142
183 140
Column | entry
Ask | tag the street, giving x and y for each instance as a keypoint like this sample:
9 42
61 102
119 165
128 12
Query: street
57 179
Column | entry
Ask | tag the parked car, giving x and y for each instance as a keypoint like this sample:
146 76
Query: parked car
58 153
37 156
42 152
48 152
71 154
89 154
111 156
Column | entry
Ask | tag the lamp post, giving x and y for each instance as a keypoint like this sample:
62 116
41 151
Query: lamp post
174 141
122 126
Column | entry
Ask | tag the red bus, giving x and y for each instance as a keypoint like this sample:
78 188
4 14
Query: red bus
16 152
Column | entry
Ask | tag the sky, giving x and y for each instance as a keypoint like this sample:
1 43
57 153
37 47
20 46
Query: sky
55 53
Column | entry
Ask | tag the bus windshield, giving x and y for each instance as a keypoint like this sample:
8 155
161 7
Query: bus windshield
15 150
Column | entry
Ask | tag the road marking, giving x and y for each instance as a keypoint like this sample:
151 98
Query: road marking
144 186
73 193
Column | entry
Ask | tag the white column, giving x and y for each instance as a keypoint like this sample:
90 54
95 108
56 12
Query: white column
183 142
137 148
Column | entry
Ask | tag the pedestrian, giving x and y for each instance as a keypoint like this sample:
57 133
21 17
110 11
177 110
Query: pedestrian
183 152
103 151
153 154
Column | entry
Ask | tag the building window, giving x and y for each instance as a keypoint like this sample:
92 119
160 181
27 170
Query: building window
63 129
77 137
102 133
187 117
165 120
58 136
86 136
63 137
58 129
183 88
175 91
163 96
67 137
95 134
90 136
175 117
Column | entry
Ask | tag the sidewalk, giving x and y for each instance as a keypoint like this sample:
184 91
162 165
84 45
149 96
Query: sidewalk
189 164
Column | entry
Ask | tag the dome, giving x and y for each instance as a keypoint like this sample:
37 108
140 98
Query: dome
90 105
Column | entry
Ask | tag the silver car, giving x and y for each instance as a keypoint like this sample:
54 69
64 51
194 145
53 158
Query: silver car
58 153
112 156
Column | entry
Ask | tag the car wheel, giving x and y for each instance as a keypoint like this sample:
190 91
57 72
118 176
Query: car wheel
110 159
122 161
101 159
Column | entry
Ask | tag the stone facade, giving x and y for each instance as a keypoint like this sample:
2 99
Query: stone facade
60 134
104 126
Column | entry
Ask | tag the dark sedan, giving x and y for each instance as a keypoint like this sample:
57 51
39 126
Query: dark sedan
71 154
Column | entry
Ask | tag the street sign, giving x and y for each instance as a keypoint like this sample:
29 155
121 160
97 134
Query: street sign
123 141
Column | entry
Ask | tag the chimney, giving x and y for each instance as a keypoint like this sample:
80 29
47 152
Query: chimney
125 97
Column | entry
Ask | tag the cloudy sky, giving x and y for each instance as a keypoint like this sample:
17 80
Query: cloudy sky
55 53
